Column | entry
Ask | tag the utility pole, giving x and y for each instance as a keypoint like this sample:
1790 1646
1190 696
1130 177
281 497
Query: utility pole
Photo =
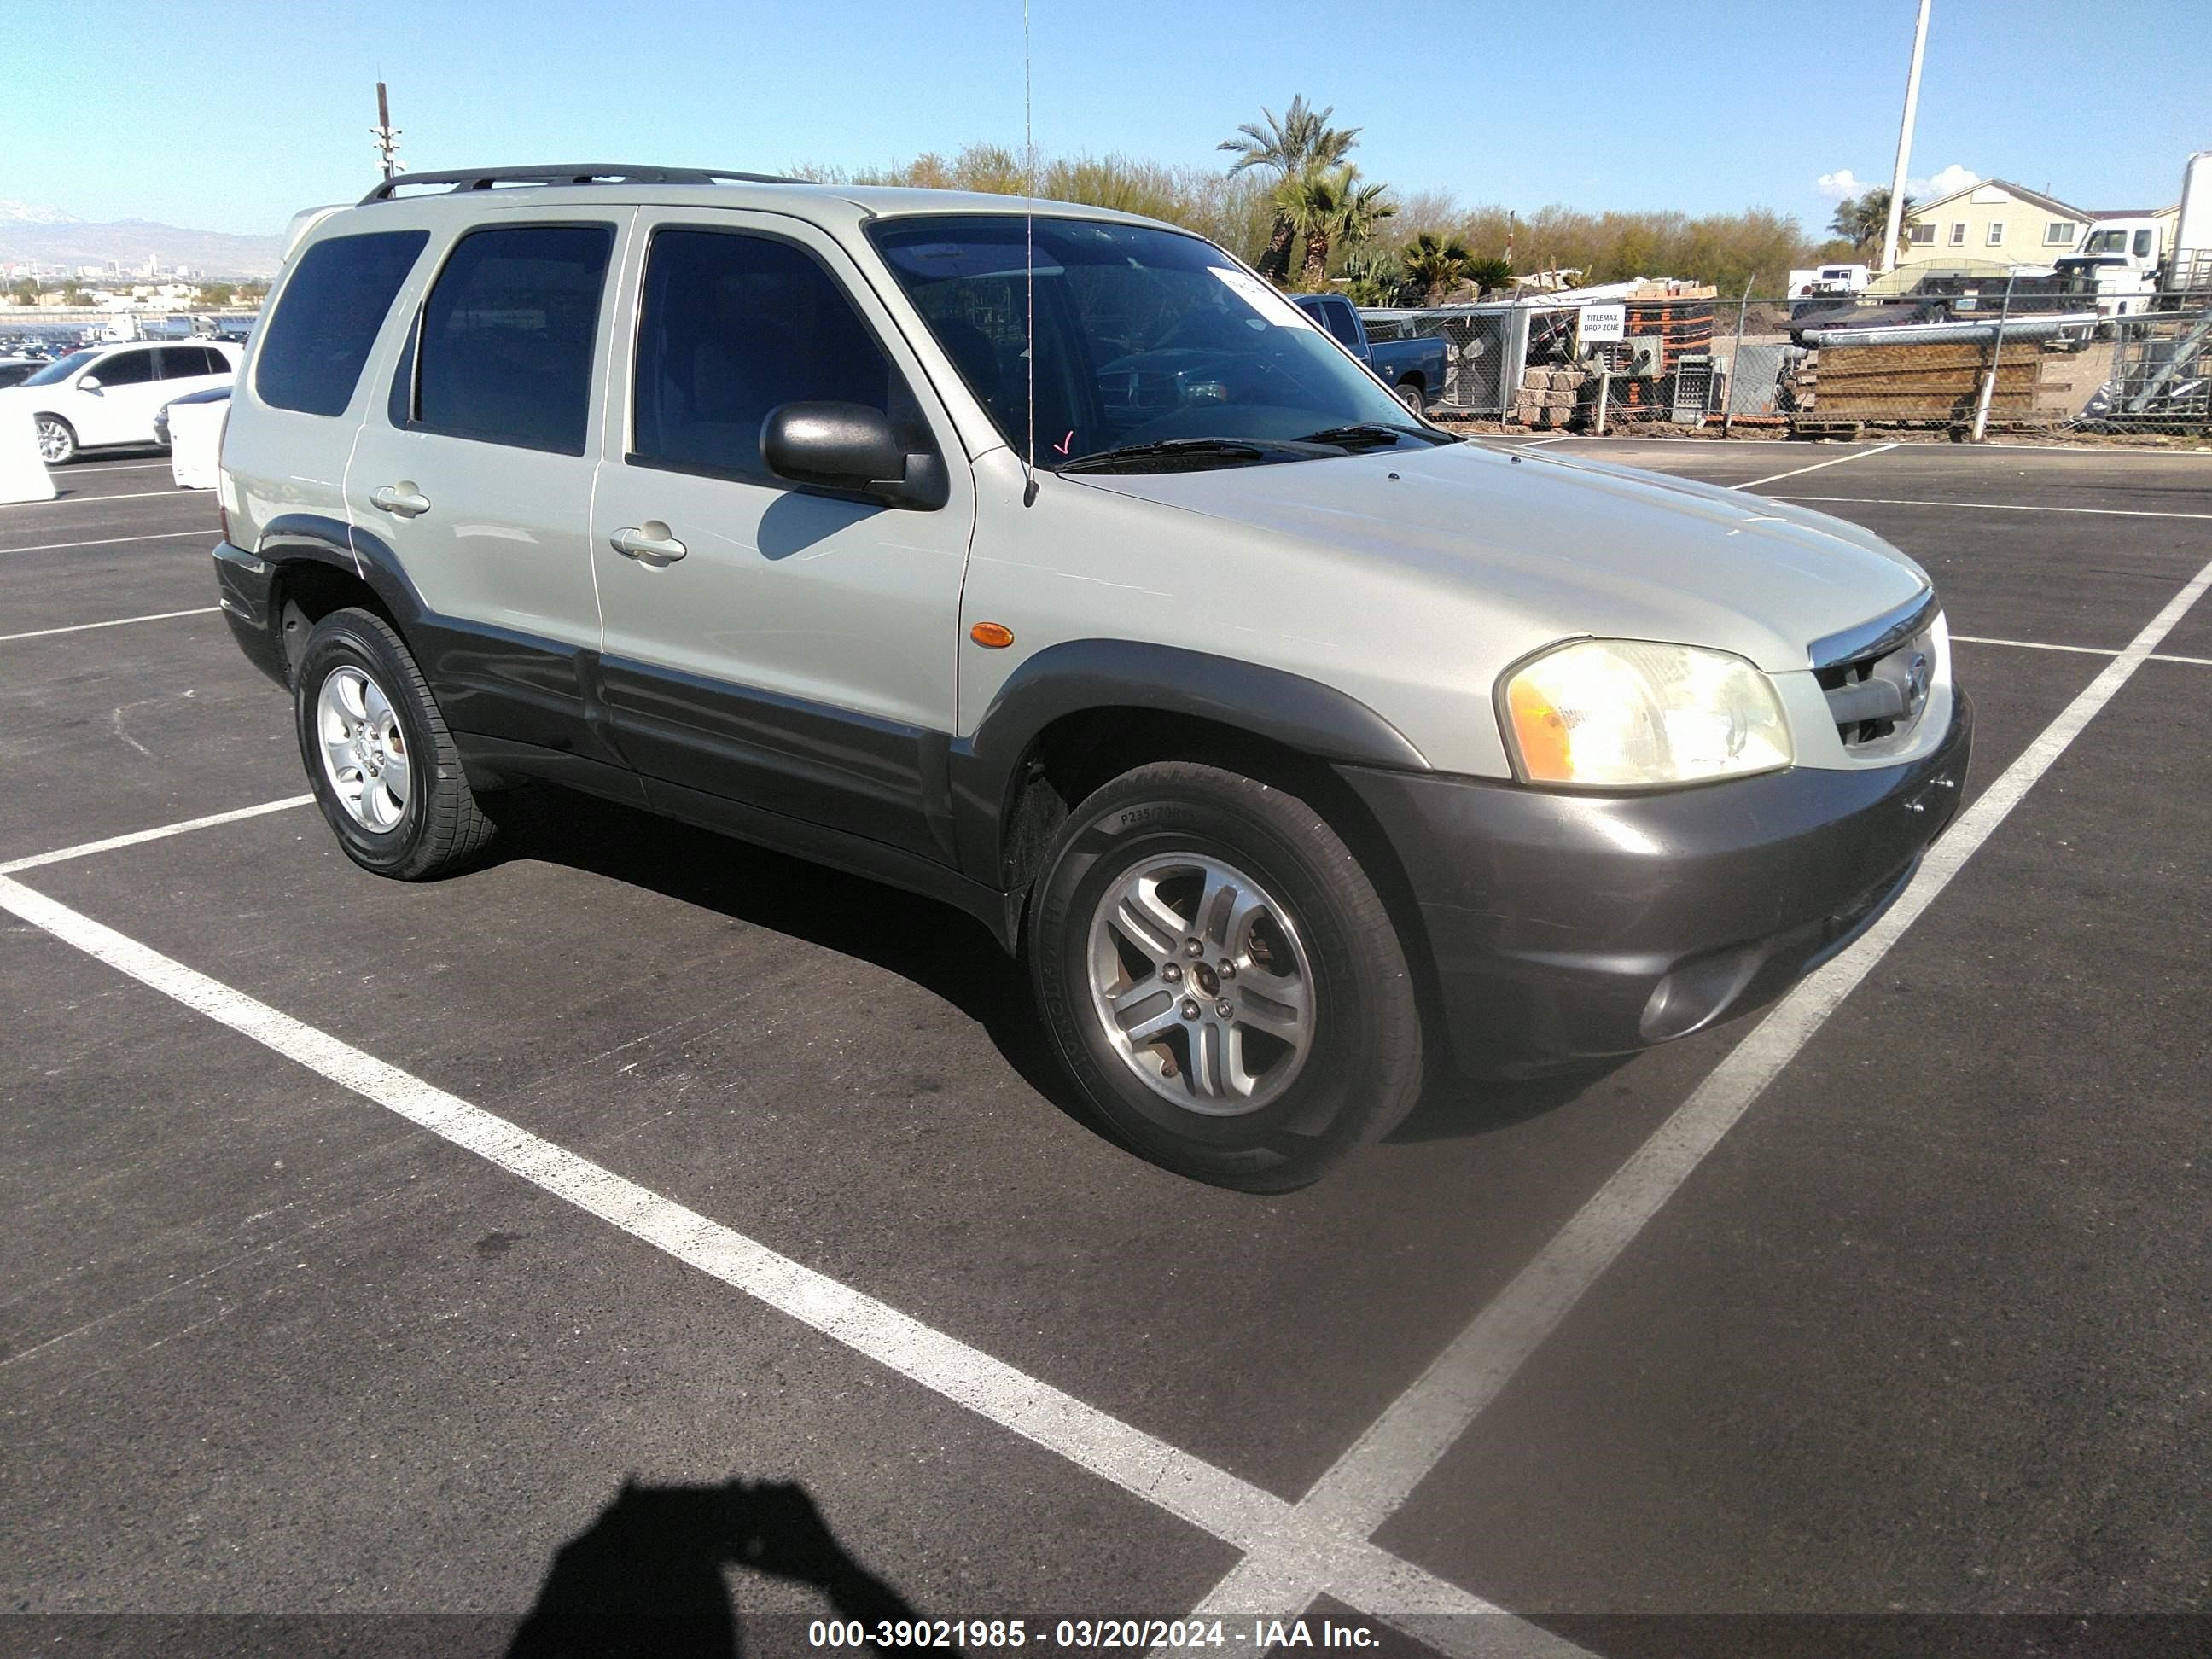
1904 141
387 135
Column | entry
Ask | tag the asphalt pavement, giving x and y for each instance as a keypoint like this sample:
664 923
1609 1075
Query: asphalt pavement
639 1156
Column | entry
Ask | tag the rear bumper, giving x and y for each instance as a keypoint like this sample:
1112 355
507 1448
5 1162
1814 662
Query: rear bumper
1564 928
243 583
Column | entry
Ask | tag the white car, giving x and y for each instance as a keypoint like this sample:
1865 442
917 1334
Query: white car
108 395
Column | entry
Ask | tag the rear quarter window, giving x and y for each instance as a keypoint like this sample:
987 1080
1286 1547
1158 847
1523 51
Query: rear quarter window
313 348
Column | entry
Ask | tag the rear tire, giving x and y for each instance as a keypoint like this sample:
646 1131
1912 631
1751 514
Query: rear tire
382 764
1411 395
56 440
1260 1075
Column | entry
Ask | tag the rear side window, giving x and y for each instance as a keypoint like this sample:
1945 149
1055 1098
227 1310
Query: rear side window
503 353
313 349
1342 323
125 368
734 324
184 363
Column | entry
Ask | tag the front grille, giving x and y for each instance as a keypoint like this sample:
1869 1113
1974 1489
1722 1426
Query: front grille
1876 696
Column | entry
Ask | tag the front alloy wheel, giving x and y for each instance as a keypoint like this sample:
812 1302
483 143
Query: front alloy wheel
1200 981
1223 980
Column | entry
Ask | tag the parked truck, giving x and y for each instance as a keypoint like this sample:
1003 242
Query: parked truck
2120 264
1413 368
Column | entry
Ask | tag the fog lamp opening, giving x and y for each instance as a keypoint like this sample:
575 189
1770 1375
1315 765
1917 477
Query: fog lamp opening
1697 994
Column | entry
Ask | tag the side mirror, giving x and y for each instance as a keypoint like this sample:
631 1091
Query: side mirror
851 446
88 383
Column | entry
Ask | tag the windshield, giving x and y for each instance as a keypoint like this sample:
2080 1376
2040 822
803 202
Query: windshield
2106 241
61 369
1143 338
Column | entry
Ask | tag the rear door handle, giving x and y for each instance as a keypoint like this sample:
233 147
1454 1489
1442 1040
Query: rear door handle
649 542
402 498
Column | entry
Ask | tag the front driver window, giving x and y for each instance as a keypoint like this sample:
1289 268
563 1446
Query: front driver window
733 326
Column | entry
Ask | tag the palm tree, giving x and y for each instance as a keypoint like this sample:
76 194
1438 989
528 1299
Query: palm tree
1435 264
1364 210
1863 221
1302 141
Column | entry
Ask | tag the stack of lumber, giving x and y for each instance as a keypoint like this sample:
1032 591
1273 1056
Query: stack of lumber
1919 384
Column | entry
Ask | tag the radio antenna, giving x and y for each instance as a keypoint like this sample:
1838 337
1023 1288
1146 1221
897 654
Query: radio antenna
1029 263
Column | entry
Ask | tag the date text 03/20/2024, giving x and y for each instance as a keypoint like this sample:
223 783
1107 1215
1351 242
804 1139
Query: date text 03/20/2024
1140 1635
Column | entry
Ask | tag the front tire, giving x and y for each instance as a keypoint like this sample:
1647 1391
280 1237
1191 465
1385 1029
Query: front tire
382 764
1221 979
56 440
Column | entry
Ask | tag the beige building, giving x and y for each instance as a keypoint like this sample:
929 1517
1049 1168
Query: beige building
1993 225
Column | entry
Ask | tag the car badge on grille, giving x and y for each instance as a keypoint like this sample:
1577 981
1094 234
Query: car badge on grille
1916 683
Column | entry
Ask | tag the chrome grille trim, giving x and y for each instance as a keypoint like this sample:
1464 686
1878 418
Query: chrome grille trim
1878 637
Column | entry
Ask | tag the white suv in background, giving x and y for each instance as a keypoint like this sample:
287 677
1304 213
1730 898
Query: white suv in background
105 396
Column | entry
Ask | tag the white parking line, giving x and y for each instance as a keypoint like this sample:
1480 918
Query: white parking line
1940 447
1836 461
116 621
113 466
1362 1489
1209 1498
2079 650
106 541
139 837
70 499
1993 507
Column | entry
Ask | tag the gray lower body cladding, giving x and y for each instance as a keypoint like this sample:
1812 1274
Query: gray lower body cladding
1566 928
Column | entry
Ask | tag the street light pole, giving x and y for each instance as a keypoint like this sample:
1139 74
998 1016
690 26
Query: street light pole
1904 141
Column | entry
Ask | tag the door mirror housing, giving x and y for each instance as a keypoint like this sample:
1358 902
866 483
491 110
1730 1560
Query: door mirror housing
88 383
839 446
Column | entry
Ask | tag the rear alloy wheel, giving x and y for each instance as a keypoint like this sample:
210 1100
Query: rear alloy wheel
1410 394
1221 979
383 766
56 440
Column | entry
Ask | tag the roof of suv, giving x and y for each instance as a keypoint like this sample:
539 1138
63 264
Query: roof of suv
566 185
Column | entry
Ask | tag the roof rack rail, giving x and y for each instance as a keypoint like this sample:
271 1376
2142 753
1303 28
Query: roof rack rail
582 172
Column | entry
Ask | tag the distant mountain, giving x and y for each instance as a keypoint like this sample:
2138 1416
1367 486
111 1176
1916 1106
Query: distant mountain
30 213
52 237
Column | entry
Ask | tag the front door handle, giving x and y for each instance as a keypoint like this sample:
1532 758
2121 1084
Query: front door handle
649 542
402 498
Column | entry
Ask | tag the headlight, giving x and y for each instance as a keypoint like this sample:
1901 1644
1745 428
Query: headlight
1626 714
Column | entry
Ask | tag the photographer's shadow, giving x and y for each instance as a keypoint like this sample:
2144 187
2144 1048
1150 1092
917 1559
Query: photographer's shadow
647 1578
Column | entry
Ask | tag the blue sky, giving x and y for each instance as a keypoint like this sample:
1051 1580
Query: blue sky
231 117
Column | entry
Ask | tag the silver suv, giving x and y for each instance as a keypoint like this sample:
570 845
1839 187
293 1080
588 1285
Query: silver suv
1044 560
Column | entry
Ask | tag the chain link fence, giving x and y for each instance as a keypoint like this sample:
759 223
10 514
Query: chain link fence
1961 359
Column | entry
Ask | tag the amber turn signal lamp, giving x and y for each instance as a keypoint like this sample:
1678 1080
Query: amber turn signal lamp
1542 734
993 637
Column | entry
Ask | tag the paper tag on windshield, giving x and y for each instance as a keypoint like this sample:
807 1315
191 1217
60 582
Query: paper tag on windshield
1261 298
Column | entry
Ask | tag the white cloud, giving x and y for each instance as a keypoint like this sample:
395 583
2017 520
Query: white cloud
1952 177
1840 185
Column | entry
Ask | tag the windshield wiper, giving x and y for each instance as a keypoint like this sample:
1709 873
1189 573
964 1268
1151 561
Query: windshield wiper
1136 456
1364 433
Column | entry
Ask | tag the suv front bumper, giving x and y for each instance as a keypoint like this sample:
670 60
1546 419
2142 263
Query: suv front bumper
1569 927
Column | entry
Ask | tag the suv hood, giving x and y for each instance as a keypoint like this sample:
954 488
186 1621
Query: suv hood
1573 546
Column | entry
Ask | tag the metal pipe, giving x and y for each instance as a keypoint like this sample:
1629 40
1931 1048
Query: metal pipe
1996 357
2028 328
1904 141
1735 359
